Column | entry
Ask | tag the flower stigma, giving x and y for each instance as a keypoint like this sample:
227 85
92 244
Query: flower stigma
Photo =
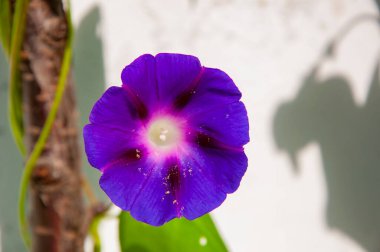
164 134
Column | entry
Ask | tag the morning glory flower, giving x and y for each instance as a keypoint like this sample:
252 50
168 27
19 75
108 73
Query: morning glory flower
169 141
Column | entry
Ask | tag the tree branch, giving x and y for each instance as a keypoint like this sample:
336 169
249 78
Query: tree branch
57 207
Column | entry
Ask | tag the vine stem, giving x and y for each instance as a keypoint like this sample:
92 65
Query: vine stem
89 192
40 144
14 101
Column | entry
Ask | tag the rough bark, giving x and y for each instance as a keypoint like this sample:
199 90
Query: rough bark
57 212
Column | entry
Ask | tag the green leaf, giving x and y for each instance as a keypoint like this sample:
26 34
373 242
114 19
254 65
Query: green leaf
177 235
5 26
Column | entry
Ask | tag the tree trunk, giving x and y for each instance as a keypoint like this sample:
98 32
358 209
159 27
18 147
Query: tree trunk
56 203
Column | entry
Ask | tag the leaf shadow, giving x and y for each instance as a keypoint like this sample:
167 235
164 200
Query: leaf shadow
324 112
89 78
11 164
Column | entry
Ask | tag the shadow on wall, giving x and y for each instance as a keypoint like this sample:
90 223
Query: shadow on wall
89 81
349 138
10 171
89 78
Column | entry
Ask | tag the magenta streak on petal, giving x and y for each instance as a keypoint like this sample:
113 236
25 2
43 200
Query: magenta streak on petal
138 104
183 98
206 141
129 156
173 179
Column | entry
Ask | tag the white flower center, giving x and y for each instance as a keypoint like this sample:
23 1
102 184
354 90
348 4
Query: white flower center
164 133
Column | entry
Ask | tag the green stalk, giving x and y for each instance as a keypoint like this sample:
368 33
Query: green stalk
39 146
14 102
5 26
94 233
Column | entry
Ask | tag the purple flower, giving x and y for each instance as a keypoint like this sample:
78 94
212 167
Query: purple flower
169 142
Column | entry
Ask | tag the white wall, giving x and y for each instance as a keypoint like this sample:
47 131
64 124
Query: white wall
268 47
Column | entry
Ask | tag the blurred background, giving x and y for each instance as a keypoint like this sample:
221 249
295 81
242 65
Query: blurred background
309 74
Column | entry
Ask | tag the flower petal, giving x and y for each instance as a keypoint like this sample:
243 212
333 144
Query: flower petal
199 191
155 203
139 187
105 145
206 178
215 89
176 74
139 79
227 124
115 110
122 181
227 167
